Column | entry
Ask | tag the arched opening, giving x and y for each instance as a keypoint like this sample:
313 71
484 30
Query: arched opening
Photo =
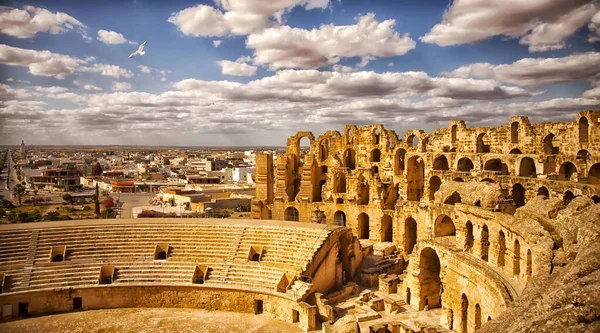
485 243
459 180
514 132
478 203
349 138
303 148
339 183
350 159
483 143
58 258
255 257
477 316
583 155
162 255
407 295
339 218
518 195
596 199
429 278
291 214
387 230
412 140
324 149
464 313
415 178
549 148
375 155
452 199
362 191
527 168
399 161
529 263
444 226
424 144
390 196
363 226
543 192
434 185
317 197
515 151
568 197
488 180
501 249
517 258
583 130
453 133
594 174
410 234
496 165
376 136
566 171
464 164
440 163
469 236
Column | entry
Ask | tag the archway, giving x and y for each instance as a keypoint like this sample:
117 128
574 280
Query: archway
549 148
483 143
291 214
594 174
515 151
350 159
517 258
453 133
583 130
387 230
415 178
527 168
459 180
464 164
440 163
444 226
543 192
339 183
412 140
452 199
518 195
469 236
568 197
429 278
434 185
496 165
375 155
529 263
501 248
566 171
399 161
376 136
514 132
324 149
485 243
596 199
362 191
410 234
464 313
339 218
363 226
583 155
477 316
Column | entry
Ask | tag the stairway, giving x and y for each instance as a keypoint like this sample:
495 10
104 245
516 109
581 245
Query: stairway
30 257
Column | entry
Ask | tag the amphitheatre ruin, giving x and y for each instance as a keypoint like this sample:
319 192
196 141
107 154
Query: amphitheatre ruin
463 229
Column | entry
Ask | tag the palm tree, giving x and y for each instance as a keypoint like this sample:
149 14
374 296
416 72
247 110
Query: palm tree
18 191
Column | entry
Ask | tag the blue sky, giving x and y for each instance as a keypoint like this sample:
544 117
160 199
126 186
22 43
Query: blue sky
292 65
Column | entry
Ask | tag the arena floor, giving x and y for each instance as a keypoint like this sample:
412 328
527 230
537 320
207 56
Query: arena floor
149 320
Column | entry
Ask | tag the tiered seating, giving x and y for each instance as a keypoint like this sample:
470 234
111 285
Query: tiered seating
14 246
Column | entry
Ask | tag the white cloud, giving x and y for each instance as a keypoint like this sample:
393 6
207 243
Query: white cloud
8 92
391 64
91 87
112 37
27 22
286 47
108 70
537 71
542 24
594 27
121 86
10 79
217 42
42 63
144 69
237 68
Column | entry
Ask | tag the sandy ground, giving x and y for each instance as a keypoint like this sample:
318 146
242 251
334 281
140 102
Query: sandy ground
149 320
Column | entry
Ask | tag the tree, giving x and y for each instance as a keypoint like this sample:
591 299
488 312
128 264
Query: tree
67 198
97 201
108 202
18 191
97 169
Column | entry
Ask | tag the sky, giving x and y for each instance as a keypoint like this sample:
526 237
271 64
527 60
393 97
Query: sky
254 72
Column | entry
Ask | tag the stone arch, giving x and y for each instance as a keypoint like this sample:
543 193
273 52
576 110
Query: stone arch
415 177
568 197
527 168
339 183
440 163
324 148
483 143
429 278
496 164
362 191
399 161
410 235
517 258
375 155
514 132
339 218
583 155
390 196
376 136
387 229
350 159
444 226
291 214
464 313
464 164
459 180
594 174
518 195
410 140
453 133
543 191
363 226
434 185
596 199
469 236
583 130
515 151
501 248
424 142
566 171
485 243
349 135
549 148
488 180
477 316
453 198
529 264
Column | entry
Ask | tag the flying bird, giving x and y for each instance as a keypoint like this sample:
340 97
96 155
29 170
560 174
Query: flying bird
140 50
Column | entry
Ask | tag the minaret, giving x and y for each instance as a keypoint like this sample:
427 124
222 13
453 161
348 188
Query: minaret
23 150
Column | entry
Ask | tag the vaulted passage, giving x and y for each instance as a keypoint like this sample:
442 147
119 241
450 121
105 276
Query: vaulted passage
444 226
566 171
543 192
514 132
464 164
375 155
434 185
517 258
415 178
387 230
454 198
339 183
594 174
410 234
291 214
483 143
339 218
464 313
399 161
527 168
548 145
350 159
583 130
440 163
429 279
469 236
496 165
363 226
518 195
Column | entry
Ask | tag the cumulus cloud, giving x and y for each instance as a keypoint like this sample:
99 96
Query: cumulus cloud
535 72
144 69
121 86
27 22
42 63
237 68
8 92
113 71
91 87
594 27
542 24
286 47
217 42
112 37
